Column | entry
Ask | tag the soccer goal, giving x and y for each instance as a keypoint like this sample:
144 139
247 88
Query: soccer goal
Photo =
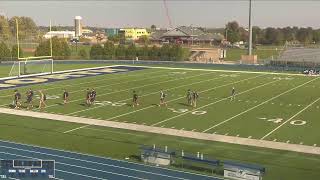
31 67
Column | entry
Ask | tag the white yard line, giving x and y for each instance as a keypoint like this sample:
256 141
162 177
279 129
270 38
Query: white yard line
148 93
295 115
76 128
131 88
254 107
148 107
168 131
213 103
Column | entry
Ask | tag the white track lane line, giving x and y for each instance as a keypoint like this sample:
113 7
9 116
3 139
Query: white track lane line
295 115
100 157
86 161
254 107
213 103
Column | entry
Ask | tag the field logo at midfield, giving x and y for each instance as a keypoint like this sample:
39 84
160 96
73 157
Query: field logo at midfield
15 82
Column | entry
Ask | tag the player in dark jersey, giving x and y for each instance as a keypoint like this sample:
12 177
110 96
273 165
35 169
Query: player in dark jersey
189 97
88 94
93 96
233 94
17 98
162 98
65 96
135 99
30 94
195 97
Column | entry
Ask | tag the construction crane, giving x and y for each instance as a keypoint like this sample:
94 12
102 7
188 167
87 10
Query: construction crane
167 13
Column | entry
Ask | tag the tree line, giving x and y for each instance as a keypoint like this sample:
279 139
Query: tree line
272 36
170 52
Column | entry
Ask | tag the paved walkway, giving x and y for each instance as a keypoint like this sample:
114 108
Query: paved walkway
167 131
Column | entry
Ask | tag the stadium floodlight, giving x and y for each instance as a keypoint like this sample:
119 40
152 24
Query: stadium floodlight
31 64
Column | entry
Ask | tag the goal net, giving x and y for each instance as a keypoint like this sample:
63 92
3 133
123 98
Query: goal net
31 67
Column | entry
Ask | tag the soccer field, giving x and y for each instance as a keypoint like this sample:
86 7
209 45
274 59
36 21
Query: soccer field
275 107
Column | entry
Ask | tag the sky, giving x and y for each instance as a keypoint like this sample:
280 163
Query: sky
144 13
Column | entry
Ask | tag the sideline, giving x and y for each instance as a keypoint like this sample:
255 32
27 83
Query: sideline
168 131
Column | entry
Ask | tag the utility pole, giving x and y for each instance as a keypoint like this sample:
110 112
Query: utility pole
191 35
250 30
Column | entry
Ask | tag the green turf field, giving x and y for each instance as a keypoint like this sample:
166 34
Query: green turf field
263 101
282 108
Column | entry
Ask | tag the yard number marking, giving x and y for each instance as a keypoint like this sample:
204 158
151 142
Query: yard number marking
186 110
279 120
109 103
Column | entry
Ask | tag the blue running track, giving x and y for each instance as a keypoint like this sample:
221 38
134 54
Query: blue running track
76 166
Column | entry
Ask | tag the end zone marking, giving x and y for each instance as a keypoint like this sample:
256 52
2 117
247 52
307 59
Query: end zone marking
76 128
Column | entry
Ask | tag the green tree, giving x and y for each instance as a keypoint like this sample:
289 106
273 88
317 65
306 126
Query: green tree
5 53
96 52
109 50
153 27
27 27
83 54
131 52
165 52
233 33
121 52
316 35
5 32
14 52
153 53
114 38
305 35
60 48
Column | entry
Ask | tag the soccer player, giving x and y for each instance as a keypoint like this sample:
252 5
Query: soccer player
162 98
30 99
65 96
189 97
88 95
195 97
43 98
233 94
135 99
93 95
17 97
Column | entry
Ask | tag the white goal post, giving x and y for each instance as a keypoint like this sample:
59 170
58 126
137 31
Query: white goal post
31 67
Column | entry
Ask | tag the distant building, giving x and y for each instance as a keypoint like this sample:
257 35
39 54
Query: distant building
78 26
186 35
87 31
134 33
60 34
112 31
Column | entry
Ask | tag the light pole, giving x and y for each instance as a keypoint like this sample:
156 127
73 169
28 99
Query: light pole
250 30
191 34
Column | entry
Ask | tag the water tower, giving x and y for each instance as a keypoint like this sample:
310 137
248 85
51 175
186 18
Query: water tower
78 26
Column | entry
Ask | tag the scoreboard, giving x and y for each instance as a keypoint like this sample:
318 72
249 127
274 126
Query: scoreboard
27 169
